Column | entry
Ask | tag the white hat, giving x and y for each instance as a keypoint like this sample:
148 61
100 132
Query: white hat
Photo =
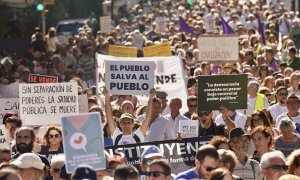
28 160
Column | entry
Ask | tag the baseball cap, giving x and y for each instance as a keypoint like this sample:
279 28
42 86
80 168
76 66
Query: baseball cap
126 115
84 172
28 160
150 152
161 94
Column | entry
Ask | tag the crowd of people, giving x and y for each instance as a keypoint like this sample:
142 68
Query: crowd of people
261 141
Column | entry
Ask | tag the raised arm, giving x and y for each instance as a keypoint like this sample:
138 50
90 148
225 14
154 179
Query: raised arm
149 112
108 111
225 115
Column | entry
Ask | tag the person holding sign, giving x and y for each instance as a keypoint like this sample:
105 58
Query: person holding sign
126 121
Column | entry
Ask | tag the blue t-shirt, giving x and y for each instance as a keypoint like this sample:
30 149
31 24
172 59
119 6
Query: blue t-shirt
188 174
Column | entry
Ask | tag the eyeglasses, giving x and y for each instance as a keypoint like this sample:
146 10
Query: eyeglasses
154 173
56 170
279 167
54 136
193 105
227 67
200 114
208 168
282 94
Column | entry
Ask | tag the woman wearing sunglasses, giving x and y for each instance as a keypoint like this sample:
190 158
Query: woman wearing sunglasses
159 170
52 143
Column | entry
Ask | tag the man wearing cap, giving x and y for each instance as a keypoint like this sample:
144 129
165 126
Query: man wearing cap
293 105
149 155
207 159
126 122
280 107
239 143
29 166
84 172
272 165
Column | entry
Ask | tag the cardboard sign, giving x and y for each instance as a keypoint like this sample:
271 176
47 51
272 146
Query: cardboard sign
218 48
83 141
122 51
138 40
210 23
189 128
105 24
180 154
168 75
161 23
163 49
8 105
9 91
129 78
4 141
229 91
44 104
35 78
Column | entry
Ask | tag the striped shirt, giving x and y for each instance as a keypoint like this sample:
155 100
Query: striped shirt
247 171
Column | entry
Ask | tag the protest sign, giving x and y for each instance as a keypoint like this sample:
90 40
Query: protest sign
129 77
138 39
83 103
4 141
229 91
163 49
8 105
161 23
189 128
35 78
42 104
218 48
9 91
168 75
210 23
105 24
180 154
121 51
83 141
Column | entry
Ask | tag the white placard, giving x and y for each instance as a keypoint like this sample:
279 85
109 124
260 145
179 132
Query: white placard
218 48
138 40
189 128
161 23
210 23
8 105
44 104
129 78
83 103
105 24
9 91
4 141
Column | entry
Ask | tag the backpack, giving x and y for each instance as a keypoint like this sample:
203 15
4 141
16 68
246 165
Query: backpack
118 138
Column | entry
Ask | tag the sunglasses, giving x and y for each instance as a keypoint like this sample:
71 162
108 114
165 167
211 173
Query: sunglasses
154 173
208 168
282 94
200 114
279 167
56 170
193 105
54 136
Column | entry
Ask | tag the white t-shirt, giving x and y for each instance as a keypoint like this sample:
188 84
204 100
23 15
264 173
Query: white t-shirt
283 115
252 102
276 110
127 139
239 120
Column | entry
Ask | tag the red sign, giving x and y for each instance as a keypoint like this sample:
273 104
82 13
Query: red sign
35 78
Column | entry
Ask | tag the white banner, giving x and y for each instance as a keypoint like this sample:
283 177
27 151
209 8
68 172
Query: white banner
4 142
8 105
44 104
129 78
168 75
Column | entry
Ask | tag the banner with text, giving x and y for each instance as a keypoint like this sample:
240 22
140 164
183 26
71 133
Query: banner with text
229 91
8 105
122 51
43 104
168 75
4 141
163 49
83 141
218 48
189 128
9 91
161 24
36 78
180 154
105 24
129 78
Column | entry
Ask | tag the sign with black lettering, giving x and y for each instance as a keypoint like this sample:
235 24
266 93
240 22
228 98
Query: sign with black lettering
4 142
44 104
8 105
129 77
229 91
36 78
180 154
189 128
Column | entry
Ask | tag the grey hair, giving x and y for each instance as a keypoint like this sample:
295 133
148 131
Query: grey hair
255 83
57 158
287 123
265 159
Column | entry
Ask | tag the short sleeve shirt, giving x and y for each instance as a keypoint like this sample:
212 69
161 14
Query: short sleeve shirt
127 139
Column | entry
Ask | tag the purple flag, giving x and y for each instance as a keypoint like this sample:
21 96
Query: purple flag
261 30
184 27
226 28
